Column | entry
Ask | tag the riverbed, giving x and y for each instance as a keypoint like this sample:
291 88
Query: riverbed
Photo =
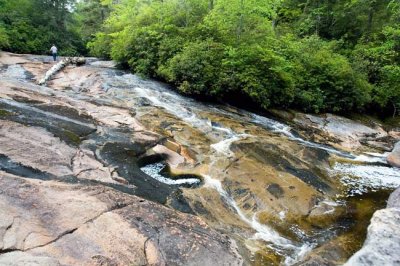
282 196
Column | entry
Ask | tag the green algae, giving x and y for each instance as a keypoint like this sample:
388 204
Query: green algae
72 137
4 113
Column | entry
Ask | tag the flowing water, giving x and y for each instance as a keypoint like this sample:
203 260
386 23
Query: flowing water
263 232
155 170
369 171
264 174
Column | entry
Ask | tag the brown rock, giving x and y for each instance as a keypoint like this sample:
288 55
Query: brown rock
41 150
172 145
189 155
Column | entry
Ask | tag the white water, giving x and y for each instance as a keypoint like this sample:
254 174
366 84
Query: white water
358 178
190 111
372 158
278 127
362 178
187 110
223 146
263 232
170 103
154 170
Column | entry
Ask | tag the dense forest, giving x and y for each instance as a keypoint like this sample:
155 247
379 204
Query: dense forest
316 56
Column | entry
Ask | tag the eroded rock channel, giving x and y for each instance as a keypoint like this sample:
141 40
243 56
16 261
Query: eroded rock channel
101 167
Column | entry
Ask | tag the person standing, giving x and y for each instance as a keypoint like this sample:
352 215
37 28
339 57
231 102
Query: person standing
53 50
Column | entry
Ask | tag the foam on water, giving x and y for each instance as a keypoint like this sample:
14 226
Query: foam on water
171 103
361 178
358 177
372 158
215 126
154 170
272 125
223 146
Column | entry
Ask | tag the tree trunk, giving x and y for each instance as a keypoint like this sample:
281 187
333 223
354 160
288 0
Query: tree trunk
59 66
370 20
240 23
210 4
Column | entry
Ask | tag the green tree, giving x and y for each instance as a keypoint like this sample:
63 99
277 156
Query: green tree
89 17
317 56
4 43
34 32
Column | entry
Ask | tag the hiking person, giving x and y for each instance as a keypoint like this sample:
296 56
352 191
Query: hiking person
53 50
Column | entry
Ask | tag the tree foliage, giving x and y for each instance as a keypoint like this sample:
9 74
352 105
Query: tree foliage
316 56
32 26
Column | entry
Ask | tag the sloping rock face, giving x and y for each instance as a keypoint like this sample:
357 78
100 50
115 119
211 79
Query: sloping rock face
71 188
53 223
383 240
341 132
108 146
394 157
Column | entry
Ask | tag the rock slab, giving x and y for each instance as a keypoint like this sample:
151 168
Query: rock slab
394 157
382 246
56 223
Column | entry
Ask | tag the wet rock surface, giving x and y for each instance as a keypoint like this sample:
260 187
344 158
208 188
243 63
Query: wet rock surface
69 174
263 195
341 132
383 240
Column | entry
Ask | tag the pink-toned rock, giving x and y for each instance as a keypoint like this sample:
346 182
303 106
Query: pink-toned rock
35 147
53 223
11 59
174 159
394 157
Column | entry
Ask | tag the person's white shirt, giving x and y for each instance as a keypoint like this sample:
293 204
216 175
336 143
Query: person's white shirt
53 49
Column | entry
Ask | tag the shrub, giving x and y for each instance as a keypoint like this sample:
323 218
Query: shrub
4 43
326 81
196 69
260 73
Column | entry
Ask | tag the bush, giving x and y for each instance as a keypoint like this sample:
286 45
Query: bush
326 81
379 60
196 69
4 43
100 46
224 49
387 91
260 73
